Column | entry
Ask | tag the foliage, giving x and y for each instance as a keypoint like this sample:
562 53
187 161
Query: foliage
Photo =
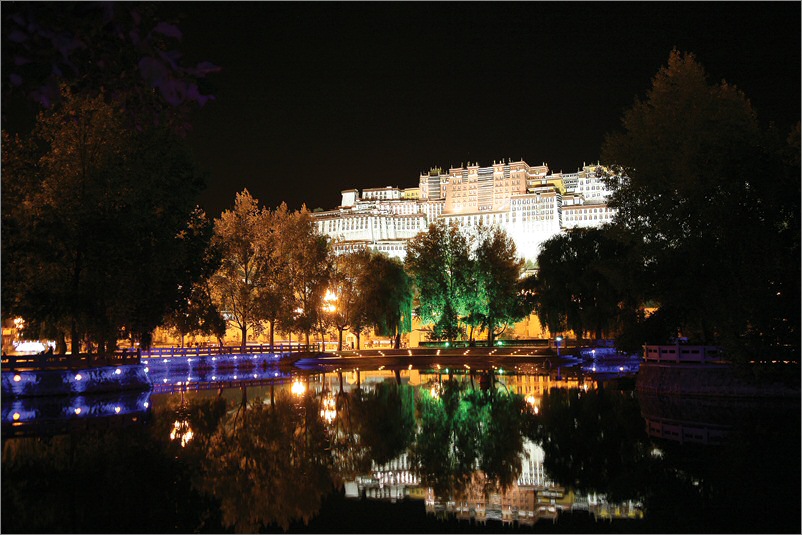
385 420
464 431
719 244
241 276
437 261
268 465
101 236
199 315
275 292
498 271
593 441
348 284
587 281
123 50
305 255
388 297
473 280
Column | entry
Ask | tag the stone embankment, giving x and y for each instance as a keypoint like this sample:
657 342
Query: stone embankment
706 380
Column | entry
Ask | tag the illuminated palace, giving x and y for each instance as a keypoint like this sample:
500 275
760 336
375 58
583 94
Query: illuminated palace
528 202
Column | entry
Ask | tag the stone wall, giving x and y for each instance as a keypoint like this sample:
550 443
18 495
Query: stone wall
704 380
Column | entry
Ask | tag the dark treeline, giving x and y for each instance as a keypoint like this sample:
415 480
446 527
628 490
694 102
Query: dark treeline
706 232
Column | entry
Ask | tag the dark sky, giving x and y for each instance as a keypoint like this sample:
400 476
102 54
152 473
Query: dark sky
314 98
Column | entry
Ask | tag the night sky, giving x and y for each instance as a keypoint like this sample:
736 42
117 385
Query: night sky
316 98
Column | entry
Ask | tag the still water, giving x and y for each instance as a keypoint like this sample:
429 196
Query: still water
523 449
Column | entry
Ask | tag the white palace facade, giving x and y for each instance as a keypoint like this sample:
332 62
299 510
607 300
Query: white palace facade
528 202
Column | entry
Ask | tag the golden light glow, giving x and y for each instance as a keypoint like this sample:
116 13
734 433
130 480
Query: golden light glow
328 410
182 431
298 388
16 416
17 378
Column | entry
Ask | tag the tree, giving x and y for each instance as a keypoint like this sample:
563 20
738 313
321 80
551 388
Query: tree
275 291
199 315
438 262
306 256
348 285
498 271
269 467
123 50
240 279
387 297
385 420
101 234
586 281
700 192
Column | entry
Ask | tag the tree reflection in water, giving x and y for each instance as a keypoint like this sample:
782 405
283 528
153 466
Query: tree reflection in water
109 479
260 465
268 464
469 437
594 441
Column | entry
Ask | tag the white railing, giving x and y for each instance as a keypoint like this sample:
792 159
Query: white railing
680 353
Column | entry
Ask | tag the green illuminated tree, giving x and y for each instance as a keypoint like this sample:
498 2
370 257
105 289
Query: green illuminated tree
439 263
498 271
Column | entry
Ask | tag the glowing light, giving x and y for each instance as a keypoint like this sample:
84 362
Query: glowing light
620 368
165 379
235 377
214 358
214 377
78 377
29 347
275 374
298 388
329 409
15 416
78 410
118 371
17 378
147 369
182 431
447 344
165 361
146 404
410 367
117 410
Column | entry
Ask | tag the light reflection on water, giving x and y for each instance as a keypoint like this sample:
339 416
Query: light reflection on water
519 445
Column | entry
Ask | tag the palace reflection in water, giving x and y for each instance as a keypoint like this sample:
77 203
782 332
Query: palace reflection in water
515 446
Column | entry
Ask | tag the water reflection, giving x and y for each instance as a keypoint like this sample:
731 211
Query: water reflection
517 445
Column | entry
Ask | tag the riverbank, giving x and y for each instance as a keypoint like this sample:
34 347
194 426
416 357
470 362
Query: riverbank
707 380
